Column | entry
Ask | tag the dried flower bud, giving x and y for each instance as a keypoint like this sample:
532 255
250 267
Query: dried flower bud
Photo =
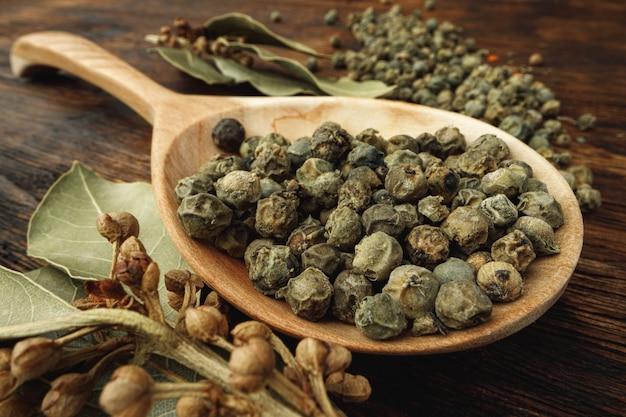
129 247
117 226
20 404
500 281
131 270
311 354
176 279
251 364
33 357
128 393
349 388
67 395
205 323
337 360
246 330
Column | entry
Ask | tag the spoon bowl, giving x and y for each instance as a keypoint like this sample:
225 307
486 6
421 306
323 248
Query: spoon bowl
182 126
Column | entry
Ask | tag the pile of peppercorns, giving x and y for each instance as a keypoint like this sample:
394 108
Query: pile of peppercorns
410 232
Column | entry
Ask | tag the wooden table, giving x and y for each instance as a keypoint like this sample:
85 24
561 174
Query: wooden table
571 362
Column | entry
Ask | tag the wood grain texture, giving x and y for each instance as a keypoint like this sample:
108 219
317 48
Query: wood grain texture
570 362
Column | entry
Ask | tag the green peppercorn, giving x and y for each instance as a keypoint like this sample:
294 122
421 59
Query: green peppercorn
501 281
514 248
427 245
383 218
324 257
228 134
193 184
380 317
306 236
461 304
349 289
499 209
454 268
467 227
414 287
540 234
330 142
406 183
542 205
271 267
203 215
344 228
239 189
277 215
376 255
309 294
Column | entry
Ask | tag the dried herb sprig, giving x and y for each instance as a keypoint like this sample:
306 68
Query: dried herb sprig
248 383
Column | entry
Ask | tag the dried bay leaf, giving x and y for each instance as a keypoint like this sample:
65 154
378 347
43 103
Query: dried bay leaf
240 24
25 301
58 282
342 87
62 231
193 65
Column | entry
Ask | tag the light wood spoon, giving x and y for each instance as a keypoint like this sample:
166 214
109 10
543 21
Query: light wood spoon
181 142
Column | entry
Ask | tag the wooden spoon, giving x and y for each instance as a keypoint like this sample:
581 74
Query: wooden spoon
182 127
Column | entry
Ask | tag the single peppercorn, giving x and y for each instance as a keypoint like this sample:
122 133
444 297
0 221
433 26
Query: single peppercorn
349 289
380 317
270 267
309 294
461 303
415 287
501 281
376 255
203 215
228 134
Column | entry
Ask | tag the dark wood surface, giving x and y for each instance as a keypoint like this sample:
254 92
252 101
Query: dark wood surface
571 362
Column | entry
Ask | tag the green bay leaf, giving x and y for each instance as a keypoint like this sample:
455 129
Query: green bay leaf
25 301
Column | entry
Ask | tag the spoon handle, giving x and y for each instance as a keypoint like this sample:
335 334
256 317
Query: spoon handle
48 51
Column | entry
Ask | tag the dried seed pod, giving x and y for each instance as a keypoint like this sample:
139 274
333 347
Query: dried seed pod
349 388
376 255
271 267
454 268
8 382
383 218
414 287
542 205
128 392
247 330
344 228
309 294
349 288
461 303
67 395
427 245
500 281
499 209
117 226
205 323
380 317
191 406
514 248
251 365
406 183
239 189
204 215
467 227
34 356
539 233
277 215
